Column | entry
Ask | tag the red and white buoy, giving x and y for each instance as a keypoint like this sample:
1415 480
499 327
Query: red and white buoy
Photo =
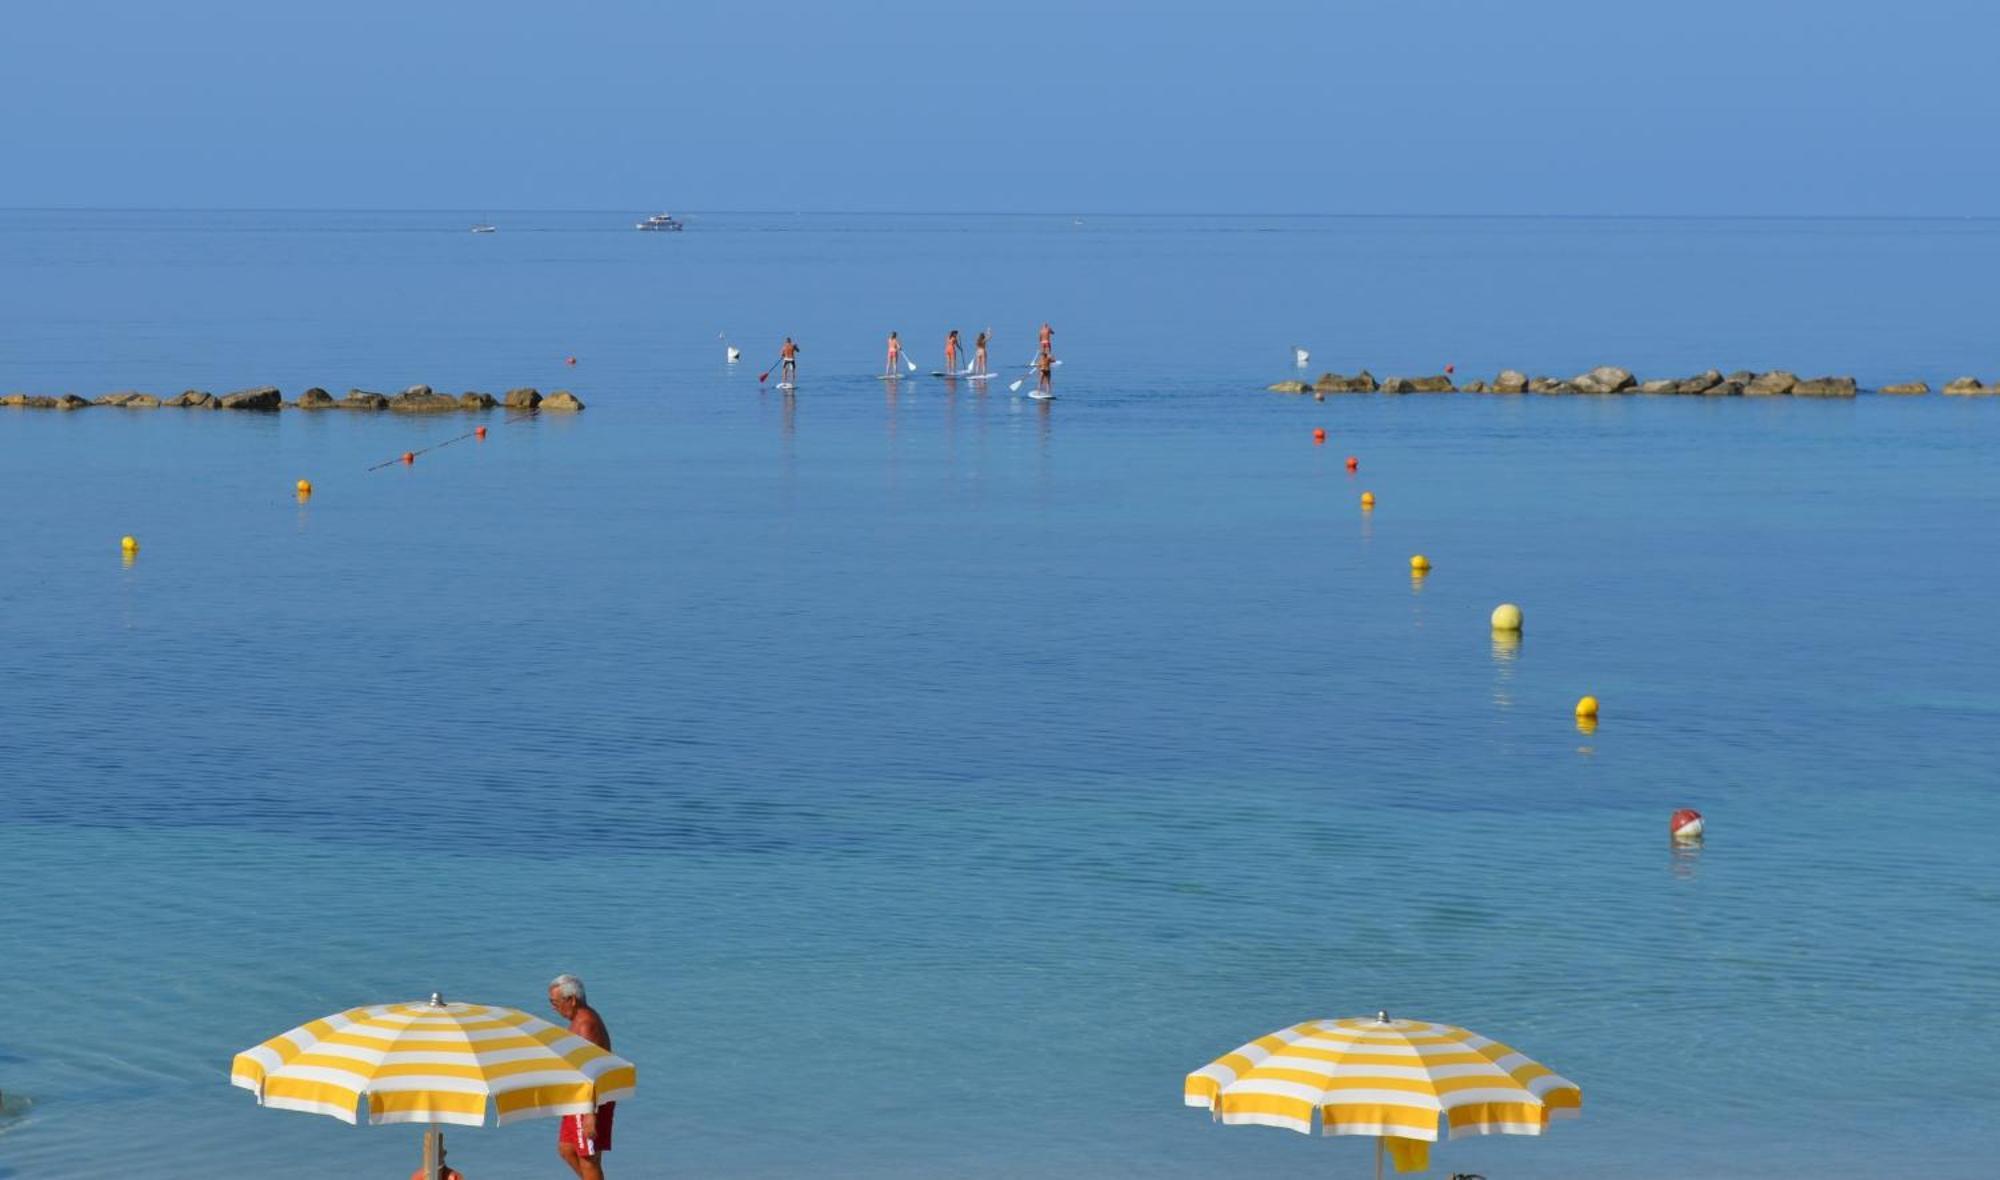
1686 826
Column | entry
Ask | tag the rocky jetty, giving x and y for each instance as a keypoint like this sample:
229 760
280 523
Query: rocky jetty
1610 379
417 399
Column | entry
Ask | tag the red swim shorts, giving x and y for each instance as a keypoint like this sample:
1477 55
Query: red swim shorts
571 1132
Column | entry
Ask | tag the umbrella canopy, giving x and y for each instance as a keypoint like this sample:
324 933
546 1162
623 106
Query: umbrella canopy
433 1063
1370 1075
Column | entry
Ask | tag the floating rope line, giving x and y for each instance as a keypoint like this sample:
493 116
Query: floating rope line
411 456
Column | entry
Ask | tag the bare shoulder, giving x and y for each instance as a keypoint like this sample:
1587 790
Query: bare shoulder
590 1026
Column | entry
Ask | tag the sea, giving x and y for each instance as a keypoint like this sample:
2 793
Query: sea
924 779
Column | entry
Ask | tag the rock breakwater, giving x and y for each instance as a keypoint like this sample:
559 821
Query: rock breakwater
417 399
1608 380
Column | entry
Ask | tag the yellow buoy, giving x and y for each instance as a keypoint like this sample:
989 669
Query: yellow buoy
1420 564
305 487
1587 708
1506 617
129 544
1368 499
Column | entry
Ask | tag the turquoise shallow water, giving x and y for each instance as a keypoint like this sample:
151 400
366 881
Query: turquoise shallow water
925 781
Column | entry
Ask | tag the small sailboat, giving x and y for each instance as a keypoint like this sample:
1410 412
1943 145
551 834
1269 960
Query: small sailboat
1300 356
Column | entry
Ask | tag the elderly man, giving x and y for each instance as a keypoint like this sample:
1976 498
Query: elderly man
583 1138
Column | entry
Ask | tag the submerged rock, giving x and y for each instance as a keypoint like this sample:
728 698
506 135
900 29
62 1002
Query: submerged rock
193 399
1659 387
477 401
1437 384
1966 385
1742 377
562 399
116 399
1289 387
1510 381
522 399
316 399
1723 389
1548 385
260 397
361 399
1775 383
1906 389
70 401
1825 387
1474 386
14 399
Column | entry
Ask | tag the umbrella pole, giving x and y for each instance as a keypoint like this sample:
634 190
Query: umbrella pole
434 1154
1379 1141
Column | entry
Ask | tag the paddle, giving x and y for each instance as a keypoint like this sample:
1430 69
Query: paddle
1016 386
774 365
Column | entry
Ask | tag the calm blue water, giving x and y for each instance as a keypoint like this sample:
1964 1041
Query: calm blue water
926 780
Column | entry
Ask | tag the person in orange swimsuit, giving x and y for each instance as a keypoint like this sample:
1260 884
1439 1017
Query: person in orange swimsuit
895 353
951 352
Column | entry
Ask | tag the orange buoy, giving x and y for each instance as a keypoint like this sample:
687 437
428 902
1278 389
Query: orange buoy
1319 435
409 456
1686 826
1353 464
305 487
479 432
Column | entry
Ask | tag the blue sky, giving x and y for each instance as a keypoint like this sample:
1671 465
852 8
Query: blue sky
1417 106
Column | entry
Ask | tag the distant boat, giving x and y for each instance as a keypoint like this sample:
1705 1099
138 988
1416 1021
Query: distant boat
662 222
483 228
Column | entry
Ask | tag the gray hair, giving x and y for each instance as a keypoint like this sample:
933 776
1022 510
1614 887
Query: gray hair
569 987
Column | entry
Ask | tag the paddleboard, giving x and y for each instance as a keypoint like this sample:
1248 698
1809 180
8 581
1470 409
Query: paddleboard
786 385
888 377
943 373
1039 396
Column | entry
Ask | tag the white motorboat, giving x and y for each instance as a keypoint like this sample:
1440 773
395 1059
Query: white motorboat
662 221
483 228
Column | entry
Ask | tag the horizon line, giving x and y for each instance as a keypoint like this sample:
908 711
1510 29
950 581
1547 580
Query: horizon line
1352 215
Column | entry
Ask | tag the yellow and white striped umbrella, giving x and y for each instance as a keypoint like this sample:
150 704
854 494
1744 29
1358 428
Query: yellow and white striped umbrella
433 1063
1370 1075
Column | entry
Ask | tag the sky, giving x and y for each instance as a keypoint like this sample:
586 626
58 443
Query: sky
1688 107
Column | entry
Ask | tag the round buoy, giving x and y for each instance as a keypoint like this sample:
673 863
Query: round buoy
1587 707
305 487
1353 464
570 361
409 456
1420 564
1506 617
479 432
1319 435
1449 370
129 544
1368 499
1686 825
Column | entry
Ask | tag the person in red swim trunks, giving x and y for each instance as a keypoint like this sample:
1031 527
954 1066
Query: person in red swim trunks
582 1139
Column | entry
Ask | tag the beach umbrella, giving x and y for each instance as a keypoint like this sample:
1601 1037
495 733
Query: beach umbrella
433 1063
1371 1075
